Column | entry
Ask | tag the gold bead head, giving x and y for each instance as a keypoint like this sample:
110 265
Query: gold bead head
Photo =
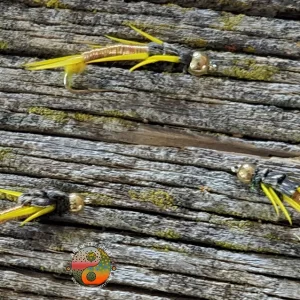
76 202
245 172
199 64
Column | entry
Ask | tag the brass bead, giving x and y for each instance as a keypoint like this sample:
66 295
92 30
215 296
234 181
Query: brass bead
76 202
245 173
199 64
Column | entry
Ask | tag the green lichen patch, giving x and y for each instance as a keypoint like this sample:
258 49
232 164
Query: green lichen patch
5 153
273 237
167 248
110 121
249 49
83 117
161 248
98 199
239 247
120 114
228 245
193 42
266 250
3 45
220 209
159 198
168 234
51 4
242 224
238 5
230 21
234 224
51 114
63 117
251 71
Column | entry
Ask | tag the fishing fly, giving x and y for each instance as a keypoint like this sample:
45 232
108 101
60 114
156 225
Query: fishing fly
197 63
36 203
276 186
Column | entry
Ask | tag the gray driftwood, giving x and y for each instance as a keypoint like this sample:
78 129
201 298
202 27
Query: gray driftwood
153 158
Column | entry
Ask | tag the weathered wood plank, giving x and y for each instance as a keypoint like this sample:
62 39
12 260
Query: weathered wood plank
271 8
154 161
206 265
156 186
46 285
257 121
29 28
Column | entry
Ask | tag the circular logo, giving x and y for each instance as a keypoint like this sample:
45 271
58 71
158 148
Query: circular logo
91 266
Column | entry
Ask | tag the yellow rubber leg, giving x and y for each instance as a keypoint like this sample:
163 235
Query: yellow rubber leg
272 195
9 192
135 56
146 35
156 58
41 212
126 42
266 191
54 63
292 202
18 212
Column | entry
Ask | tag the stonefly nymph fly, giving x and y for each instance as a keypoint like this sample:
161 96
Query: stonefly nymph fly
36 203
196 62
276 186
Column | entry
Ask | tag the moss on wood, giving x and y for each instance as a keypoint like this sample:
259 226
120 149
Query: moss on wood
251 71
168 234
230 21
3 45
159 198
63 117
5 153
98 198
51 4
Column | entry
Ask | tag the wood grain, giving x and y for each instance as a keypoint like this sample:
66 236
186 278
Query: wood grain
153 158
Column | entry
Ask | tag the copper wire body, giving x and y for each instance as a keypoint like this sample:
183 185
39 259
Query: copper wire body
113 51
296 196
